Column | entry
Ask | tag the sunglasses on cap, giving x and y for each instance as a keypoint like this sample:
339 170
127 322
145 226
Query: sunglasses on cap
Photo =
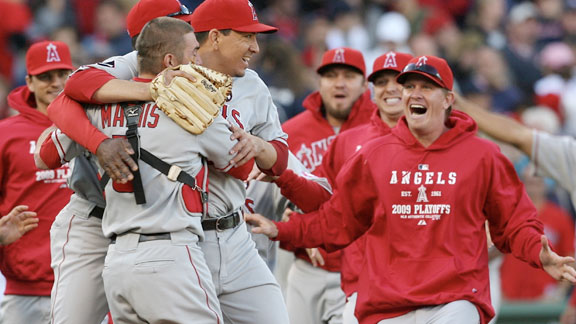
428 69
183 11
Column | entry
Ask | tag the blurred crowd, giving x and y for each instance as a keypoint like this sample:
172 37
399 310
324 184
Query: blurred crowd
510 56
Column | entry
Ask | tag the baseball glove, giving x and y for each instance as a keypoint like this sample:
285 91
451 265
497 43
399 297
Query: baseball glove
192 105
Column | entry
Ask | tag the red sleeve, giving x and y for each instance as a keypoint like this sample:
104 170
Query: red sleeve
340 221
512 218
49 154
242 172
304 193
82 84
70 117
281 159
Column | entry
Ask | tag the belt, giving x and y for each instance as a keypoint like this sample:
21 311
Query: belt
146 237
97 212
222 223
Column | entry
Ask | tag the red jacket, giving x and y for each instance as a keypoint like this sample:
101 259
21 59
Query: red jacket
309 135
26 262
423 210
300 191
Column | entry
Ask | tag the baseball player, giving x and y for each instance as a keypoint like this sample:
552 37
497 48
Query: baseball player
26 262
553 156
313 294
158 241
78 292
426 257
247 290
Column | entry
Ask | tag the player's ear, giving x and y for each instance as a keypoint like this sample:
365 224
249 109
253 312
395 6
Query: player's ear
170 60
29 83
214 37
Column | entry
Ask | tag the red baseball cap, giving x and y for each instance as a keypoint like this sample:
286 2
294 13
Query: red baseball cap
391 61
238 15
47 56
146 10
432 67
343 56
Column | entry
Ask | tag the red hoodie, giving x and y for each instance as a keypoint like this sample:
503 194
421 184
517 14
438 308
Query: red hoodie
309 135
423 210
26 262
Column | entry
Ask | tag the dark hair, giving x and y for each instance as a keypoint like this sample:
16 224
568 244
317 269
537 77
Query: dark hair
201 37
160 36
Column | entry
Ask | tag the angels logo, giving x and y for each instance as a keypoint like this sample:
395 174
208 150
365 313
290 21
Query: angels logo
422 194
52 55
254 16
422 61
339 56
390 61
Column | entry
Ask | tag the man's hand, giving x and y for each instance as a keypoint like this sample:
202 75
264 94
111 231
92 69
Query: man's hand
17 223
170 73
258 175
261 225
114 156
248 146
569 315
315 257
556 266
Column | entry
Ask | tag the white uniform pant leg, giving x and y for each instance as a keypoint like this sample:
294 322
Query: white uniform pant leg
25 309
348 316
314 295
78 249
247 290
459 311
494 266
162 281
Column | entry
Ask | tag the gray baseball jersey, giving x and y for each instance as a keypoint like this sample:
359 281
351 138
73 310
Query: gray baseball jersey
247 290
165 210
555 157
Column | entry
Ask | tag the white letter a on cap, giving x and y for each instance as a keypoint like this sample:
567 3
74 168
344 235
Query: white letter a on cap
390 61
339 56
52 55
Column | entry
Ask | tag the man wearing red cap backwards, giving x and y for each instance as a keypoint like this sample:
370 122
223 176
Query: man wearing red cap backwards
26 263
247 290
422 195
77 242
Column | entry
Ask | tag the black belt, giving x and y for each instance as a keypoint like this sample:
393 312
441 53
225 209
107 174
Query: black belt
222 223
97 212
146 237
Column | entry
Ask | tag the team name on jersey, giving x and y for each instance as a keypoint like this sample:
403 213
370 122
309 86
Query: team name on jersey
419 177
311 154
112 115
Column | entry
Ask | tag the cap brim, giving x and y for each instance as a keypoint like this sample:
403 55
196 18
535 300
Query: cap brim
323 68
401 78
50 67
256 28
373 75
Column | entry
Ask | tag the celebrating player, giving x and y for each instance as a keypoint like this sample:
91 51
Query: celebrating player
313 290
78 245
26 262
410 191
227 31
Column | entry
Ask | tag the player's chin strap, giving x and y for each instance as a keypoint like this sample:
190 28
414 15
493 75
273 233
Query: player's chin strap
173 172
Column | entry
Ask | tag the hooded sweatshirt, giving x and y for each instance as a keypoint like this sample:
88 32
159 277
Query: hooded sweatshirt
423 210
26 262
309 135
